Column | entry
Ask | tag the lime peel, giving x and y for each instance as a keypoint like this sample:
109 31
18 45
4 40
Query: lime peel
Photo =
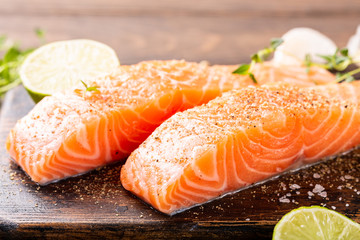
59 66
316 223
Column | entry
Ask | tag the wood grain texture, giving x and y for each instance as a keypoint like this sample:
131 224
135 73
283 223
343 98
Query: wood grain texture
95 205
223 32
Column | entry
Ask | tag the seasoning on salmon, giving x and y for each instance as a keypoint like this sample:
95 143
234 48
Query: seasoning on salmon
241 138
69 134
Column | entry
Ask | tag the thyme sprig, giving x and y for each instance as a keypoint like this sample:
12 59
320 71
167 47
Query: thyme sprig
259 57
337 62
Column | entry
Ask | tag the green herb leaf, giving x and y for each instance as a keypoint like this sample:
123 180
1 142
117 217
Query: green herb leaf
253 78
242 69
339 61
344 52
12 58
276 42
85 85
258 57
325 57
265 53
11 55
255 58
89 89
349 79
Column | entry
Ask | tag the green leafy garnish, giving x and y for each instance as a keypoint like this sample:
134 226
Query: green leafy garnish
259 57
12 58
242 70
265 53
91 88
339 61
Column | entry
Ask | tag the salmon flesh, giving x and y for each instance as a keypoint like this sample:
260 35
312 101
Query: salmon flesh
69 134
240 138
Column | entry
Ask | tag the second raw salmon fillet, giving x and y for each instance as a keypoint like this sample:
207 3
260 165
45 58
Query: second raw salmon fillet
69 134
243 137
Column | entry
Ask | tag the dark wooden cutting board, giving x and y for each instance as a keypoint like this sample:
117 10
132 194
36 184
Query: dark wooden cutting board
95 205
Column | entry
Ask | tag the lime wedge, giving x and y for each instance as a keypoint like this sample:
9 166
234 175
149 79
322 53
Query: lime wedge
59 66
315 223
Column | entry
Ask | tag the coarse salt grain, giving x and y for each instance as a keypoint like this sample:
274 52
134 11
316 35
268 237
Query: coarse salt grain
283 199
316 175
347 177
294 186
323 194
318 188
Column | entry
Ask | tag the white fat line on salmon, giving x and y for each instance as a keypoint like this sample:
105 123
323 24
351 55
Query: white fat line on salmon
267 160
114 129
130 125
206 87
259 145
315 130
232 163
82 137
54 169
164 108
174 82
240 147
183 191
140 117
329 131
223 80
292 169
131 175
210 153
106 142
177 199
350 142
334 129
92 155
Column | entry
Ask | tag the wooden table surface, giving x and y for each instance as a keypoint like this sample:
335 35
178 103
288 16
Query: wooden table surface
221 32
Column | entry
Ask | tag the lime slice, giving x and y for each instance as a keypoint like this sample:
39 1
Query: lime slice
315 223
59 66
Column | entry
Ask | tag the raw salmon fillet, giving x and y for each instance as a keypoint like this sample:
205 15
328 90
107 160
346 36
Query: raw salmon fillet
69 134
241 138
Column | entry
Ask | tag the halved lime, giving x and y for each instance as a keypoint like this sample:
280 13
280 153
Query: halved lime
315 223
59 66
